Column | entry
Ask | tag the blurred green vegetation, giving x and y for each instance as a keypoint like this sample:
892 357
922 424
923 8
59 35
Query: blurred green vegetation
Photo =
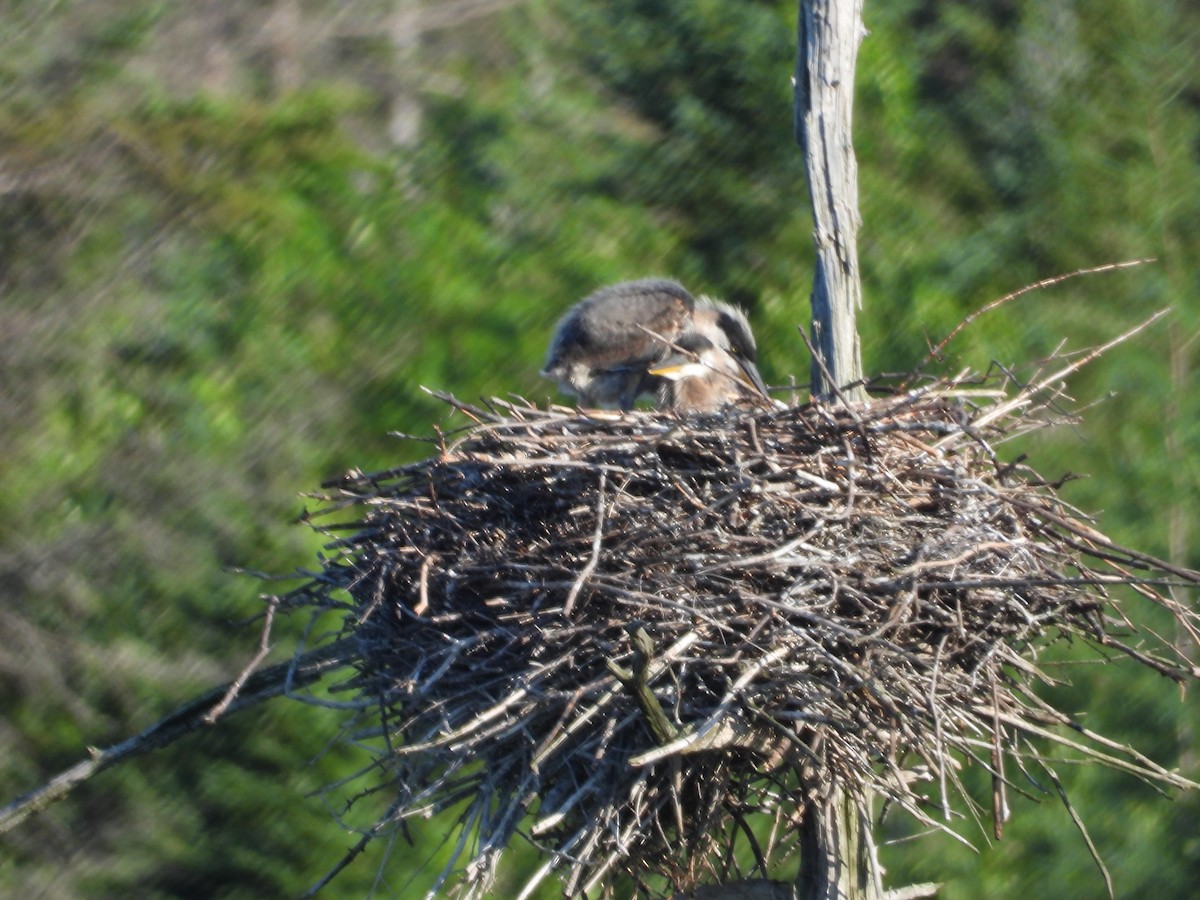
225 273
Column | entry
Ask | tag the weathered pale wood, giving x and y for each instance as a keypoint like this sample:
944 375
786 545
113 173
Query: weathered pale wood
837 851
838 854
829 34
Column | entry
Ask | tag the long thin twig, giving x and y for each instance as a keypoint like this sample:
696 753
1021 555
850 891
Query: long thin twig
936 352
264 647
590 567
1026 397
191 716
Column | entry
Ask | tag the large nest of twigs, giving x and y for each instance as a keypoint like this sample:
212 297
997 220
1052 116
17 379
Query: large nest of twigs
646 642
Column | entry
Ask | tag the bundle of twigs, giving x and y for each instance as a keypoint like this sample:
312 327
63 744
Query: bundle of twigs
623 636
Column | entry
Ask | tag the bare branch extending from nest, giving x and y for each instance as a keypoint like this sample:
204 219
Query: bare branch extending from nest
236 686
245 691
816 595
936 352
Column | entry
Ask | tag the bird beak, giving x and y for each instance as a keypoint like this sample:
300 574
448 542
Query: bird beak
750 370
678 367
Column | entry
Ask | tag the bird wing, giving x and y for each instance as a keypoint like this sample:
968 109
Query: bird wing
610 328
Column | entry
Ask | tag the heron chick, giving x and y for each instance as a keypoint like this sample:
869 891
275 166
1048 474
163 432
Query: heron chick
704 376
605 345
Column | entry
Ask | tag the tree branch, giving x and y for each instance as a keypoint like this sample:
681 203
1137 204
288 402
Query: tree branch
193 715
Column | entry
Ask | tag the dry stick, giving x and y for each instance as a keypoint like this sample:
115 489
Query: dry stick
348 857
936 352
913 891
711 734
263 649
1143 768
544 870
552 819
474 413
1033 704
299 672
939 739
616 689
1180 611
999 796
1024 397
1090 534
423 581
747 562
820 361
588 569
1087 838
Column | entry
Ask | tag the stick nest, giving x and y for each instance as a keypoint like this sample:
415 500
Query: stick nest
621 636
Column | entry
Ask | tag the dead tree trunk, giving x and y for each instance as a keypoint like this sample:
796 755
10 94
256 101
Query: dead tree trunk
829 35
837 848
838 860
838 854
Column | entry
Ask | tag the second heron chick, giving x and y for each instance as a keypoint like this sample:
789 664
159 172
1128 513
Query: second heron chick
605 346
703 376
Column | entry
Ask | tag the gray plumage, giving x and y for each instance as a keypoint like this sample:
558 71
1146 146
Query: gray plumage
605 345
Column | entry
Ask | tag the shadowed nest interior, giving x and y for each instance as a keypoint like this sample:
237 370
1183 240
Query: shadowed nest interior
641 641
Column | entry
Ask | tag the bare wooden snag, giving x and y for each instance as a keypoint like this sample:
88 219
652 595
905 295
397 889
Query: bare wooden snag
838 858
838 852
829 34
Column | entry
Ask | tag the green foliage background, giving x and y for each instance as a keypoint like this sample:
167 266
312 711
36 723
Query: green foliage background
225 271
